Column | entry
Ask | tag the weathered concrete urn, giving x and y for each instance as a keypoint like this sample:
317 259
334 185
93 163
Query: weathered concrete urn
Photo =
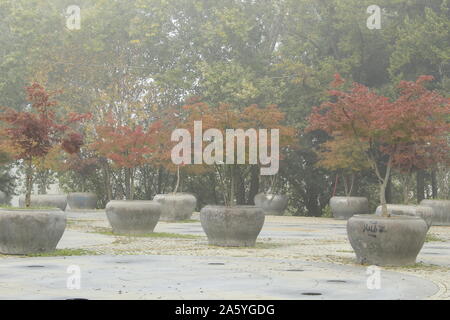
2 197
345 207
441 211
133 217
46 200
272 204
386 241
426 213
81 201
25 231
176 206
233 226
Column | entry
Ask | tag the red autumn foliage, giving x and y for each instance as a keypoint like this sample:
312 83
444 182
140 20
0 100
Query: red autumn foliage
411 131
33 133
128 147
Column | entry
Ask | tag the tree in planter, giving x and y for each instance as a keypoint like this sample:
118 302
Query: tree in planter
225 117
232 225
341 155
344 157
383 129
126 146
32 134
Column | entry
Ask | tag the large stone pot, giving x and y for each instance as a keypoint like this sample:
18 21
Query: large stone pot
386 241
272 204
344 208
176 206
441 211
46 200
81 201
133 216
426 213
236 226
3 198
24 231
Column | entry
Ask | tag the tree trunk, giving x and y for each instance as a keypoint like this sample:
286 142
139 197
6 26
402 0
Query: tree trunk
383 199
405 182
160 176
107 180
240 186
29 182
388 192
254 185
434 186
178 180
420 177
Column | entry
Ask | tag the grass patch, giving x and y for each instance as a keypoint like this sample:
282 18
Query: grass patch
64 253
420 266
108 232
24 209
183 221
345 251
433 238
259 245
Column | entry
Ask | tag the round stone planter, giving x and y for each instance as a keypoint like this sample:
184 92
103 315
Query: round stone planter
133 216
343 208
236 226
46 200
176 206
386 241
426 213
272 204
30 231
441 211
2 197
81 201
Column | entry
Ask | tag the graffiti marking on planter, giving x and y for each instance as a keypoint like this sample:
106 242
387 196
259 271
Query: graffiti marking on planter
373 228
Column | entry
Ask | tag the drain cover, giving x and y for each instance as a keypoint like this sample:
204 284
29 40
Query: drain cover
35 266
216 264
311 294
295 270
337 281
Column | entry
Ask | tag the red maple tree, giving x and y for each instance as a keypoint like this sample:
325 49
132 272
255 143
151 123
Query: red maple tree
32 134
127 146
410 132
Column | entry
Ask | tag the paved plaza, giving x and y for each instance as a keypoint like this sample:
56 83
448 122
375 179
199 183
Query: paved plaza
295 258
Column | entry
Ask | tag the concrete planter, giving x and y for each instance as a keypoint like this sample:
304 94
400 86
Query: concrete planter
441 211
81 201
236 226
343 208
133 216
426 213
272 204
3 198
176 206
386 241
30 231
46 200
